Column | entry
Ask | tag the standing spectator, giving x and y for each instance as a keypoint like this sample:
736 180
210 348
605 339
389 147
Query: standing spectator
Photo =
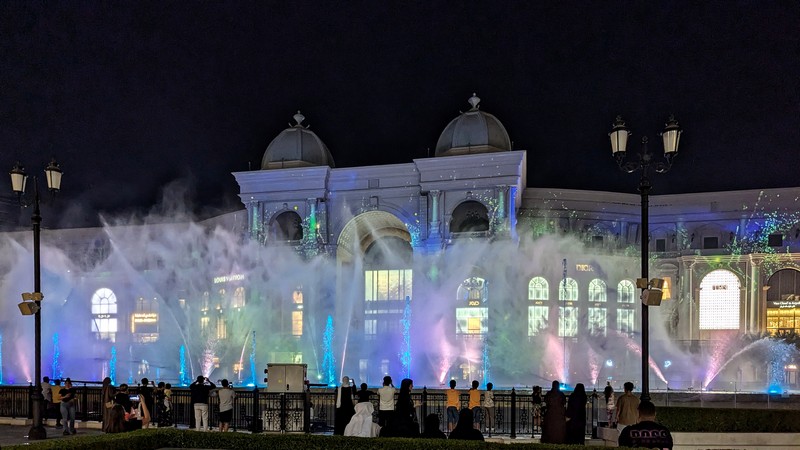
56 405
47 393
475 404
163 406
123 398
453 405
107 398
488 406
364 394
647 433
386 405
627 407
68 407
576 416
199 391
536 399
554 428
226 396
404 423
146 395
464 429
344 406
608 393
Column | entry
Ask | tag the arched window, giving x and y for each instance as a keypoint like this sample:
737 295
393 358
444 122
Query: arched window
288 226
625 290
470 216
104 312
538 289
720 301
597 290
472 317
238 297
568 290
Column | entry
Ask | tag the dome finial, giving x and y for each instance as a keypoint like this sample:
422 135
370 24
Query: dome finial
474 100
299 118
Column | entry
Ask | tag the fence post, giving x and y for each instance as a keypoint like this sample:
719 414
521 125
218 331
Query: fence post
85 403
256 412
307 410
424 409
283 412
595 413
30 401
513 413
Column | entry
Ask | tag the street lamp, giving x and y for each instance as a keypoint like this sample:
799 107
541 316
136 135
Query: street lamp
619 141
31 302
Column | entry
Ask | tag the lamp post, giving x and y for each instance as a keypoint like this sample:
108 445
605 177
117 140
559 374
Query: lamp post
18 183
619 140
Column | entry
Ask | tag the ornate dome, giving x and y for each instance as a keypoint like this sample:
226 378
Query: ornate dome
473 131
296 146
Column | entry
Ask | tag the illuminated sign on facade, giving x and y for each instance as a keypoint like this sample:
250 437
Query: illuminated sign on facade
719 301
229 278
584 268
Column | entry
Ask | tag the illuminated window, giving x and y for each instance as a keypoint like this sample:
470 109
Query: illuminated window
625 290
297 296
625 318
204 323
370 326
720 301
104 312
297 323
597 290
238 297
567 321
473 289
387 285
472 320
667 289
222 328
538 289
568 290
537 319
597 321
144 320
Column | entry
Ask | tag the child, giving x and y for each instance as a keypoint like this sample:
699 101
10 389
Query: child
475 404
488 406
453 404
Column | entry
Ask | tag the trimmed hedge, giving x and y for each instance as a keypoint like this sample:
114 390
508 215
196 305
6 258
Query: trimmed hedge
154 439
726 420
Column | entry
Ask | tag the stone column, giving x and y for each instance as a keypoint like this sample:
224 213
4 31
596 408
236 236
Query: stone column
754 294
434 221
512 212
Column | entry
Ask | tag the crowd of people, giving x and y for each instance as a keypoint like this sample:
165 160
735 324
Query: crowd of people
151 404
561 420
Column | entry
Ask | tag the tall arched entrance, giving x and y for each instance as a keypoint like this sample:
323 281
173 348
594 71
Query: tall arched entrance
375 289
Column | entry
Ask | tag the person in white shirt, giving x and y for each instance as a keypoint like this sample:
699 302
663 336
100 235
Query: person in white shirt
47 393
386 406
226 396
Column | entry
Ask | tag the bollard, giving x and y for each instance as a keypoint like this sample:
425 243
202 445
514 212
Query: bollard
594 414
85 404
513 413
283 412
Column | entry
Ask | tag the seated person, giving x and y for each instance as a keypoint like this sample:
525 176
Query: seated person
432 430
464 429
647 433
361 423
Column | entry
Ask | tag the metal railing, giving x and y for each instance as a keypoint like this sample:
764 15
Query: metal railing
314 411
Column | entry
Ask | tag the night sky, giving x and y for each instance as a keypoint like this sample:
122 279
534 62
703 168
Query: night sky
133 98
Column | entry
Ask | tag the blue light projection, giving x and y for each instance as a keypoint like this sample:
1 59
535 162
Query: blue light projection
57 372
1 358
253 360
184 377
112 365
405 354
328 361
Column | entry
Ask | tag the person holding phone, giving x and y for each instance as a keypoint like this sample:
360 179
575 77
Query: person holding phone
200 390
68 407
